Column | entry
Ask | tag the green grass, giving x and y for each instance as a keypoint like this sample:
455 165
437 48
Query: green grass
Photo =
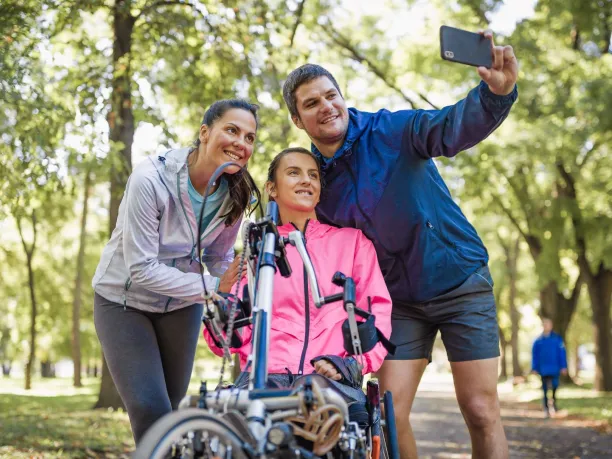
56 420
581 401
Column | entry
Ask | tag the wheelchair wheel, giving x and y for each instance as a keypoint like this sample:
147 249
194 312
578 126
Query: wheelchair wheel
190 433
391 449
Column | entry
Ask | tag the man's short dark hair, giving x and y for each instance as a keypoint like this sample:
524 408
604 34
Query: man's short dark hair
302 75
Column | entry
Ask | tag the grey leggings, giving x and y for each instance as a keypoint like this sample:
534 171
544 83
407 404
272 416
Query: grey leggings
150 357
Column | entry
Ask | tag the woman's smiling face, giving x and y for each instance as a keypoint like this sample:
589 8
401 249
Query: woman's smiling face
297 183
230 138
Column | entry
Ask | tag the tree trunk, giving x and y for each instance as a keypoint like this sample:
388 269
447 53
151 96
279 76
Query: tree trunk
109 397
29 251
76 304
47 369
600 292
121 124
33 317
599 285
4 351
512 255
6 369
557 307
553 304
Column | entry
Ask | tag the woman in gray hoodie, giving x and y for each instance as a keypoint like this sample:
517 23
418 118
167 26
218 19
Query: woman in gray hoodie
148 286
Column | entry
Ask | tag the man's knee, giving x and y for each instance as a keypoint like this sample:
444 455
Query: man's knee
481 411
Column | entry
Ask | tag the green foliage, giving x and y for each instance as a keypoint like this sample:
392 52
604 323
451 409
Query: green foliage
56 75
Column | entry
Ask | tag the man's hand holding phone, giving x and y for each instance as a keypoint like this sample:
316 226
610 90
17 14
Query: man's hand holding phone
497 65
502 75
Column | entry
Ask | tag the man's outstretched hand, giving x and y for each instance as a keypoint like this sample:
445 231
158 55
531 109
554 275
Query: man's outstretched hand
502 75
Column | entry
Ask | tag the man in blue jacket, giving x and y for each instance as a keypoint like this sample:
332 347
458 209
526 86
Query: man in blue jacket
380 177
549 361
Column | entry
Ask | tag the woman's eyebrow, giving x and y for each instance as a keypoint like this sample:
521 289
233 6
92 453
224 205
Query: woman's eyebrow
238 127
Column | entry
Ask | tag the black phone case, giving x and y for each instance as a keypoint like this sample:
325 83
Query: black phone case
465 47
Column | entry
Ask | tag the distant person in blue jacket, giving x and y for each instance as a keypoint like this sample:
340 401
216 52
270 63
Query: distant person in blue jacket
549 361
380 178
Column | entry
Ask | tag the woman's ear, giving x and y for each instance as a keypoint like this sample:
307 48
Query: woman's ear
270 189
204 133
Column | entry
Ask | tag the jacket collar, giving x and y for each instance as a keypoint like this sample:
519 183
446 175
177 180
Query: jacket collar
314 228
172 167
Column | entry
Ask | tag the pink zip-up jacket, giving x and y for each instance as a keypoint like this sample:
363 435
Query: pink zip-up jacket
299 330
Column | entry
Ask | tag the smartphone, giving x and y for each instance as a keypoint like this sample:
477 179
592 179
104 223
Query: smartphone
465 47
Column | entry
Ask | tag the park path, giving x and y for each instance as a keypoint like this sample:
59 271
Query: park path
441 432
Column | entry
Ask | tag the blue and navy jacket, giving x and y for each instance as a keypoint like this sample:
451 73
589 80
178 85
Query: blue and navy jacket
548 355
384 182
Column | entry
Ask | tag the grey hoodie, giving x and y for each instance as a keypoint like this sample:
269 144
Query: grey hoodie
150 262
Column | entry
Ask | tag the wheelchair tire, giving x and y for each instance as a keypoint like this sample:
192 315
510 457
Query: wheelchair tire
173 428
392 447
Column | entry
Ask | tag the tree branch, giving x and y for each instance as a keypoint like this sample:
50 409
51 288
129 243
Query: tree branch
587 156
356 55
607 32
583 263
298 19
29 251
575 34
576 291
167 3
517 192
512 218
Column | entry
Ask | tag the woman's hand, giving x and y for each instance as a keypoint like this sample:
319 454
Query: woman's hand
231 276
324 368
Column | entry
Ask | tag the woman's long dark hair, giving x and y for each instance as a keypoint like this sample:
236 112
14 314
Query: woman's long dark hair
241 185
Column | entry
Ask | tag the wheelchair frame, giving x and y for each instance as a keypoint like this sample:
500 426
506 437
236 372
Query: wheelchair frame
263 423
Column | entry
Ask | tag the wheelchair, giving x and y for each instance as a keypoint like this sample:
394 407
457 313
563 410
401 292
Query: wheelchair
310 419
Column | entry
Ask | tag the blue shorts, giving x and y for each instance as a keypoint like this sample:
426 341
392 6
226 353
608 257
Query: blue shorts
466 317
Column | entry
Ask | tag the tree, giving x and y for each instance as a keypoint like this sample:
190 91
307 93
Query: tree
27 153
512 251
76 305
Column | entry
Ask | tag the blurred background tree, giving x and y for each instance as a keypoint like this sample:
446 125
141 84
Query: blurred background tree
91 88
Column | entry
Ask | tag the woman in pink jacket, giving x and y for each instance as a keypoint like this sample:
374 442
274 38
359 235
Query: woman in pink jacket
305 339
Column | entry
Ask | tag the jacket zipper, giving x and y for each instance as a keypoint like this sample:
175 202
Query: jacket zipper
307 307
178 191
126 287
395 254
439 236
